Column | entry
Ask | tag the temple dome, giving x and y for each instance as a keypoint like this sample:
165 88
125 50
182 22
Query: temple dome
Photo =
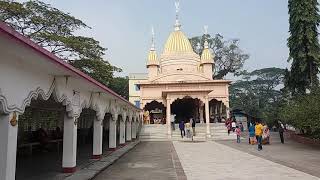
152 58
206 56
177 43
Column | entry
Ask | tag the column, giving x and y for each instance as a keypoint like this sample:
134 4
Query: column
128 133
221 107
113 132
8 147
227 110
134 130
168 117
207 116
97 138
201 115
122 139
69 155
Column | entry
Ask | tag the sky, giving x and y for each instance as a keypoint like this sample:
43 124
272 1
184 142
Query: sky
124 27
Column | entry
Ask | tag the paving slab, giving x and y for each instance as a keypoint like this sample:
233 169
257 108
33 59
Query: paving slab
91 170
299 156
211 160
148 160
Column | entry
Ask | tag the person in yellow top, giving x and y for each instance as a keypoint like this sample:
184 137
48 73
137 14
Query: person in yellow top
259 132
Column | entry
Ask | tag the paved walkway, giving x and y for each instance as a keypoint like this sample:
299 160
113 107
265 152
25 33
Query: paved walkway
148 160
211 160
292 154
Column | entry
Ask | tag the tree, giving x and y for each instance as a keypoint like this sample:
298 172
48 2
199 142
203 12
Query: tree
229 58
303 45
258 93
121 86
54 30
303 113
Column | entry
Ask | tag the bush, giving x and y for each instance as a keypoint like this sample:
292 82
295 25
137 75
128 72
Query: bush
303 113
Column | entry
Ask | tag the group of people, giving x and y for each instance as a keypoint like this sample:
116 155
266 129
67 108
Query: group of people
258 134
190 126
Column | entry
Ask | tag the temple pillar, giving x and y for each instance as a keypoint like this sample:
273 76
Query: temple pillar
97 138
128 133
221 107
201 115
207 116
113 132
227 110
8 148
134 130
168 117
122 139
69 155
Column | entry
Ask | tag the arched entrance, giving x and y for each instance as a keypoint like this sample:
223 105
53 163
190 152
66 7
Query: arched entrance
186 108
218 111
40 139
156 112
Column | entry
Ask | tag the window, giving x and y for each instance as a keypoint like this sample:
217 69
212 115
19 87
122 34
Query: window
137 87
137 103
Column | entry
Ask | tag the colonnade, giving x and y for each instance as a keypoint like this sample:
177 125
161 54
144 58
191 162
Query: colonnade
9 134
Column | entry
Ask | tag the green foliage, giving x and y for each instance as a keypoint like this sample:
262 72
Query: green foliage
303 46
229 58
51 29
303 113
258 94
97 69
121 86
54 30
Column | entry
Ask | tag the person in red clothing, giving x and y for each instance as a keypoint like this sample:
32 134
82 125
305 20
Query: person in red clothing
238 133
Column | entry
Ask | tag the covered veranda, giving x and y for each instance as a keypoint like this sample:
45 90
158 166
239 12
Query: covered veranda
52 114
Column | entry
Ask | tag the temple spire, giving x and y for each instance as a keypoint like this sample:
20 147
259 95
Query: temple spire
177 24
206 44
152 39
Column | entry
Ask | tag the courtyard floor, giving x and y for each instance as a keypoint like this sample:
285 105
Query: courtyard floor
148 160
216 160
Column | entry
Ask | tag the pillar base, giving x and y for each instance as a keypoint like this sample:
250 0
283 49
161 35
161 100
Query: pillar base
122 145
96 156
69 169
112 149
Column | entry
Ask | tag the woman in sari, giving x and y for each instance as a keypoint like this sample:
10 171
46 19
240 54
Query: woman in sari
266 135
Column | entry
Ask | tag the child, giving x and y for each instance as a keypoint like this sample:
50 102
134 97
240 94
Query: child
188 127
238 132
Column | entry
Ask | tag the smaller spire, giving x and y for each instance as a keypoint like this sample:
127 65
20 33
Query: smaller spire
152 39
206 56
206 44
177 25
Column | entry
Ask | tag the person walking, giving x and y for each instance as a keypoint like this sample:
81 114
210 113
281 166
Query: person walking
172 119
229 127
251 134
258 132
238 133
233 125
193 124
281 130
181 127
188 127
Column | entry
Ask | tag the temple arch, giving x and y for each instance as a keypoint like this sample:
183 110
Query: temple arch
156 112
186 108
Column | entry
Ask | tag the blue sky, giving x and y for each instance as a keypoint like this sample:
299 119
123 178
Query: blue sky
124 26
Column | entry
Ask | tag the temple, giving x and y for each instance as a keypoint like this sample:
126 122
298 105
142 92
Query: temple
180 82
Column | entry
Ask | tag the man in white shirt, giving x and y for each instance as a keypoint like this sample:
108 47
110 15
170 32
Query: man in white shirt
172 119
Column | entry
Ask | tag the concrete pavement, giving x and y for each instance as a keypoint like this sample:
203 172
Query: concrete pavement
148 160
211 160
